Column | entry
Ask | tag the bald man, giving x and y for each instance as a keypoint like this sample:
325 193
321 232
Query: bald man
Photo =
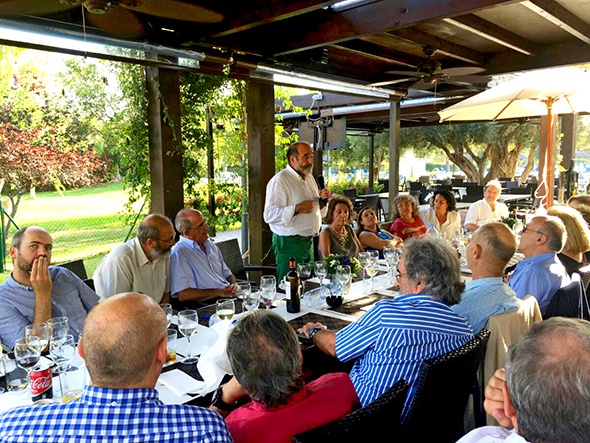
490 249
120 403
35 292
141 264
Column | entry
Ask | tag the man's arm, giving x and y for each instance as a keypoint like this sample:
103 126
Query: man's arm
231 392
471 218
323 338
42 286
192 294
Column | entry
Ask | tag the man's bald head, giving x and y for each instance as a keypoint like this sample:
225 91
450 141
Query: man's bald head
153 226
497 240
120 338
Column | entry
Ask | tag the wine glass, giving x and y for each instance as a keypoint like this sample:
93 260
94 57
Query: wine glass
188 321
374 254
344 274
364 259
225 309
304 270
40 331
372 270
27 356
391 258
251 300
58 327
268 290
243 288
167 307
62 350
320 270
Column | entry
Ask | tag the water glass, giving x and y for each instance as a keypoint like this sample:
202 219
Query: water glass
188 322
321 270
242 288
364 259
58 327
268 290
167 307
251 300
343 273
62 350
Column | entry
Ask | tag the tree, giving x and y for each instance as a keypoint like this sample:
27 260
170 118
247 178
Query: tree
481 150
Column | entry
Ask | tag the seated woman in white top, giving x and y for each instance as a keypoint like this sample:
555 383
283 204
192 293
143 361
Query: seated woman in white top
443 214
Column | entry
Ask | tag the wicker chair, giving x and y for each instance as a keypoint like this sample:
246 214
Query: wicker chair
77 267
232 256
371 423
438 408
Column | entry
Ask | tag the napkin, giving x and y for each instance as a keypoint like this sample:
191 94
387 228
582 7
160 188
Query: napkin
179 382
213 364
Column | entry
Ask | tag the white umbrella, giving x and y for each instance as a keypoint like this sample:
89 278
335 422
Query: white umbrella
547 92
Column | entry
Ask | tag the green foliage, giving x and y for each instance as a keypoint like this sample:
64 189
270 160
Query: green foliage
361 186
228 204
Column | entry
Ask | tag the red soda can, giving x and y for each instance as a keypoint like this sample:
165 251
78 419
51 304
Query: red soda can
41 383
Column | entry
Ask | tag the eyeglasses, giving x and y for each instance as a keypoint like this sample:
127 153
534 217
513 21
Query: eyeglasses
404 204
525 229
201 225
399 275
170 242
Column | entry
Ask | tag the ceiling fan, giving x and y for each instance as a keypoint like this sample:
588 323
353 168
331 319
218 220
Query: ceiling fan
116 17
429 73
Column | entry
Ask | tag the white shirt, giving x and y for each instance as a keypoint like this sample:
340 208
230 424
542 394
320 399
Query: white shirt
492 434
449 228
283 192
481 213
127 269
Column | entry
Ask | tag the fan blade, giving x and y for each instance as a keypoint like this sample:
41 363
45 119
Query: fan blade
32 7
393 82
177 10
118 22
412 73
466 70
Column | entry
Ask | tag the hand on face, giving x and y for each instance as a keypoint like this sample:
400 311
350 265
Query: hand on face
40 278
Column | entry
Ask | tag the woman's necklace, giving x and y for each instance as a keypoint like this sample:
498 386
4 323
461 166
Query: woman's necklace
342 237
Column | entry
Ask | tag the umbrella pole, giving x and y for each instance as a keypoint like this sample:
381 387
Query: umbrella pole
550 156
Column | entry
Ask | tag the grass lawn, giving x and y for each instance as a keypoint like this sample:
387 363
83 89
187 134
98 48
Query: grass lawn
84 223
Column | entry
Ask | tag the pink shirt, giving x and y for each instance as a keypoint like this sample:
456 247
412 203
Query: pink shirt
406 230
328 398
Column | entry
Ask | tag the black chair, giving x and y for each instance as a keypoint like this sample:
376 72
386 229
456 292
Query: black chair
584 272
379 418
77 267
471 198
350 193
569 301
232 256
438 408
474 190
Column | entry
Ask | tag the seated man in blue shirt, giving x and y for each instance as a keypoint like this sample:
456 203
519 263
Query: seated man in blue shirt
35 292
490 249
540 273
197 270
391 340
120 404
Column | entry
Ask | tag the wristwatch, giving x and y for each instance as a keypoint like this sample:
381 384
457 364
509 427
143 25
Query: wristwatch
313 331
219 403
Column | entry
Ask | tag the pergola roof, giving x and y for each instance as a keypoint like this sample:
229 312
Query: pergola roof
359 43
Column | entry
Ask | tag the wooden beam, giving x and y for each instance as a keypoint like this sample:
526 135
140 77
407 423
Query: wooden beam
561 17
394 148
261 164
270 11
372 18
492 32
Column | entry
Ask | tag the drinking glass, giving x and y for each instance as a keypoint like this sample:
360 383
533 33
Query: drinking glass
391 258
58 327
188 321
372 270
320 270
167 307
304 270
242 288
40 331
251 300
343 272
27 356
3 366
62 350
364 260
374 256
268 290
225 309
171 345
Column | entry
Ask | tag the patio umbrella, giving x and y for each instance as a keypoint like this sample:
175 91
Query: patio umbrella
535 93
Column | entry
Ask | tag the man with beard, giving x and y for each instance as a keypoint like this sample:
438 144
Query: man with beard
294 208
141 264
35 292
197 270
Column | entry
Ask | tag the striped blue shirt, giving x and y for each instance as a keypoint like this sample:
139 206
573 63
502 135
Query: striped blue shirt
392 340
113 415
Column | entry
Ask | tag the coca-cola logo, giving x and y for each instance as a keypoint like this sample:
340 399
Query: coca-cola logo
41 383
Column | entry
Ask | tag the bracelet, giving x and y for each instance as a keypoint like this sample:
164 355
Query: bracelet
312 332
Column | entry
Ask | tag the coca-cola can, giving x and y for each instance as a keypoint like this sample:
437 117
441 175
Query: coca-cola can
41 382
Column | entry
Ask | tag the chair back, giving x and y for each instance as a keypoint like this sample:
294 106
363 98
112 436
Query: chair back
569 301
350 194
471 198
442 392
584 272
371 423
504 329
474 190
77 267
232 256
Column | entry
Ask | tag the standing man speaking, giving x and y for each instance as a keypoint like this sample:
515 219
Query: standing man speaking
294 208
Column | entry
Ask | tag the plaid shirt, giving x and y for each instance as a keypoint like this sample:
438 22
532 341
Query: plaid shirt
113 415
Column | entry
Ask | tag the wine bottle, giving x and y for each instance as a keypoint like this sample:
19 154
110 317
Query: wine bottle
293 302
